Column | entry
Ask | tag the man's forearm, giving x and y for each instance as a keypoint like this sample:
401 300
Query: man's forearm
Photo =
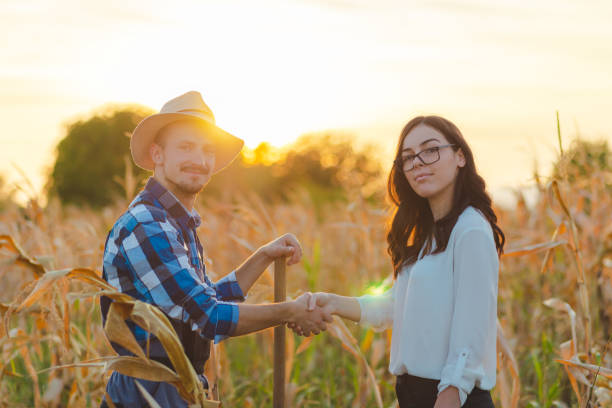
253 318
251 270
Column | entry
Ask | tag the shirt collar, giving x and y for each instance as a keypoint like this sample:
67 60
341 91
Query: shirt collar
163 198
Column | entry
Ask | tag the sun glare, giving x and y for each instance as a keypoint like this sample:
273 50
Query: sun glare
377 289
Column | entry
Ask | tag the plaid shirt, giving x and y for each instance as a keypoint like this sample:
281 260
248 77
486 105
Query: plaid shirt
153 254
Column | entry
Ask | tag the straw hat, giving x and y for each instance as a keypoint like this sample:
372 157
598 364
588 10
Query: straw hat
187 106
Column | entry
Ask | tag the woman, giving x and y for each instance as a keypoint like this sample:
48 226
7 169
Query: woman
444 245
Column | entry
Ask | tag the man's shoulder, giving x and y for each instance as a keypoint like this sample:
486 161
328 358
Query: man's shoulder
137 214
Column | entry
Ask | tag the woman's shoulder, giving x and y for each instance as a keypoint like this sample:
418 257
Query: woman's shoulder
471 219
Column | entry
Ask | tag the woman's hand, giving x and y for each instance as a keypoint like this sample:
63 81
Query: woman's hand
309 321
323 300
317 301
448 398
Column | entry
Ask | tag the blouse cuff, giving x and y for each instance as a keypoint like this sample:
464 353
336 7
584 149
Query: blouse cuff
462 394
362 306
375 311
454 374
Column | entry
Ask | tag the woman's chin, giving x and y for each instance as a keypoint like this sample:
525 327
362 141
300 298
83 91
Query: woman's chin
425 191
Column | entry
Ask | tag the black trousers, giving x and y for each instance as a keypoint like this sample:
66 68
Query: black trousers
418 392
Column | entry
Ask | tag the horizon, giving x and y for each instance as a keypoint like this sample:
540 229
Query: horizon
276 70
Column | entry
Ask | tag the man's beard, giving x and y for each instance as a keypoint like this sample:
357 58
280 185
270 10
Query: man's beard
186 188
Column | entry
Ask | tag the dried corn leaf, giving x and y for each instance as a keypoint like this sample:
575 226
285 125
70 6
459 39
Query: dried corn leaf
339 330
504 347
567 351
145 394
562 306
118 331
557 192
561 228
366 343
6 241
532 249
304 344
27 360
142 368
599 370
96 363
145 315
108 400
54 389
52 277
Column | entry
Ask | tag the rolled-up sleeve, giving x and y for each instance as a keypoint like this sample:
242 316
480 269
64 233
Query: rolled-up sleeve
163 276
473 328
377 311
227 288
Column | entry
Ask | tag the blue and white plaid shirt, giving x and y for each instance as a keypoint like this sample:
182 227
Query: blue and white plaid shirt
153 254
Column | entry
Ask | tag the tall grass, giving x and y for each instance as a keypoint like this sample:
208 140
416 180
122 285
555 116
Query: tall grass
555 301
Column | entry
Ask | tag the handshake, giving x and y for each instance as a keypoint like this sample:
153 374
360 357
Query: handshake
311 313
308 314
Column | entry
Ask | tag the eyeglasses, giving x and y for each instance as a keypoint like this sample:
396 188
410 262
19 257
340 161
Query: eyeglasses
426 156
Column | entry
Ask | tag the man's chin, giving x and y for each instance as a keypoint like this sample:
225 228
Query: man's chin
191 187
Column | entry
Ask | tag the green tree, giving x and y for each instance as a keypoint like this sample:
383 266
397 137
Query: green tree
90 168
327 165
91 158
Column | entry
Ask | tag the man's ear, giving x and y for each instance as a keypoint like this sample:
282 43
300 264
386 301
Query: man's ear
157 153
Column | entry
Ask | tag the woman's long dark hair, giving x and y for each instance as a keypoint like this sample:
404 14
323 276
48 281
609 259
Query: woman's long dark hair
412 224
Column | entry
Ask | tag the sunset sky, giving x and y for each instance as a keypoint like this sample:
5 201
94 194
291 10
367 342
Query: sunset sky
272 70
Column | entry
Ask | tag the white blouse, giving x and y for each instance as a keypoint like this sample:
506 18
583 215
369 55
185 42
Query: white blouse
443 311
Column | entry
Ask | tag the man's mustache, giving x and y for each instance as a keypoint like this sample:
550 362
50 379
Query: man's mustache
196 169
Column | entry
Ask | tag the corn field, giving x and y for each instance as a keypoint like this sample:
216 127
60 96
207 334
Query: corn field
555 303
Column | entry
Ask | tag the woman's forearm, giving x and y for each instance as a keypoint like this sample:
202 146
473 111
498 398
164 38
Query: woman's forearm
345 306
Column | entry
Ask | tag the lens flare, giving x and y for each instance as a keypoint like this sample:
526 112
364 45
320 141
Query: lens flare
377 289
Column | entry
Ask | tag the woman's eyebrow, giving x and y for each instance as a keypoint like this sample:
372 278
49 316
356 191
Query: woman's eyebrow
427 141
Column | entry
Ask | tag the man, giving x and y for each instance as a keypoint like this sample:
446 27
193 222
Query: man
153 252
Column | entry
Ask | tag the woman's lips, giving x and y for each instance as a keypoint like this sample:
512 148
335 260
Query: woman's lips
421 177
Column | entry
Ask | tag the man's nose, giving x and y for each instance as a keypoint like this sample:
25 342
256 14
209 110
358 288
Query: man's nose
205 164
210 160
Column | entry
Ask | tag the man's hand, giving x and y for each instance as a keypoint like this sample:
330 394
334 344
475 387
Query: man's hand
286 245
317 301
304 321
448 398
251 269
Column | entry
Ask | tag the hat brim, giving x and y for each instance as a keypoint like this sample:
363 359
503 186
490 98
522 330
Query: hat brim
227 146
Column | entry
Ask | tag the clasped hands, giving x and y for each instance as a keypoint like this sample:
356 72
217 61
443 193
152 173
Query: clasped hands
312 313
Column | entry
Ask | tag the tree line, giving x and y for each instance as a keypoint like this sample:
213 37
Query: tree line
92 164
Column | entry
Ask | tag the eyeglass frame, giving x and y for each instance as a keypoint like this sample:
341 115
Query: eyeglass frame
399 162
